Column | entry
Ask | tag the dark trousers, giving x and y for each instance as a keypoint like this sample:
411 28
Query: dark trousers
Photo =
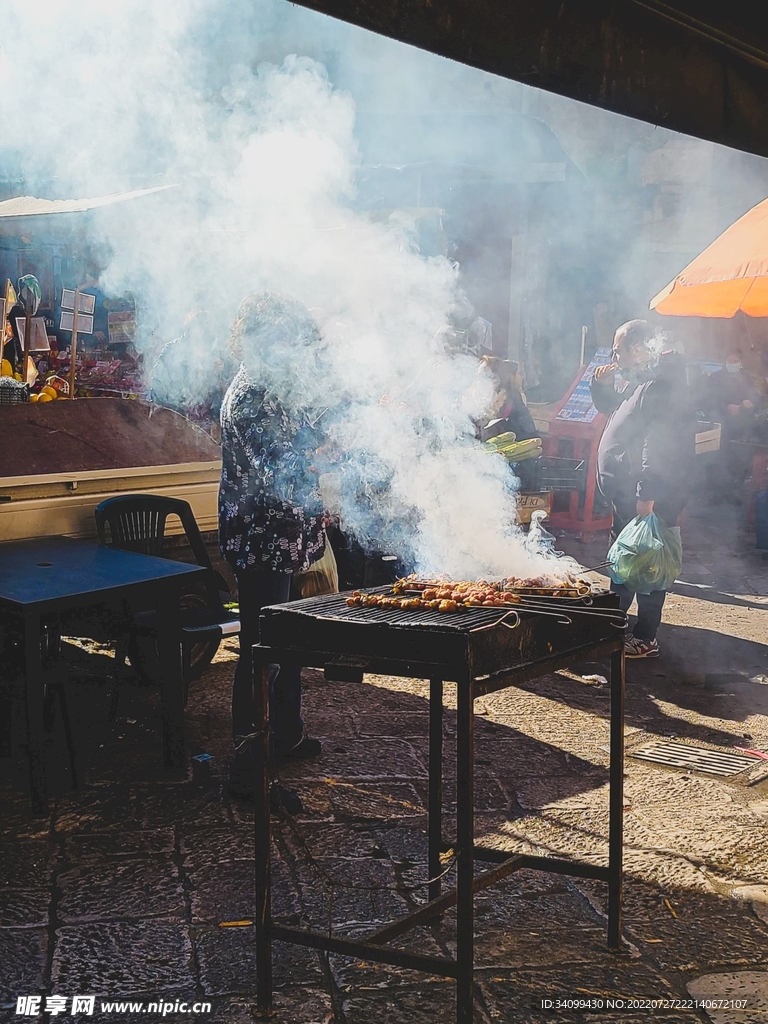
732 466
257 590
649 606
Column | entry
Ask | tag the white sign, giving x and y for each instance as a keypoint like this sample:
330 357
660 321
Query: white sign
84 323
39 342
86 303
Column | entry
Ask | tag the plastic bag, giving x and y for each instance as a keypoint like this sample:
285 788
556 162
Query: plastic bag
647 555
322 577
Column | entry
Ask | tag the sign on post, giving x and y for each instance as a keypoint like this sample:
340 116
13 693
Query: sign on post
77 316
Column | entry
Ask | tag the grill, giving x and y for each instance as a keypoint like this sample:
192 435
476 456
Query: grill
482 650
482 642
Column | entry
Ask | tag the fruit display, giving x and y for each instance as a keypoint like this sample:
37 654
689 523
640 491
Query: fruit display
47 393
48 389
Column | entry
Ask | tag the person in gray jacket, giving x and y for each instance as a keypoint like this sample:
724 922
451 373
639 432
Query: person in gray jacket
646 454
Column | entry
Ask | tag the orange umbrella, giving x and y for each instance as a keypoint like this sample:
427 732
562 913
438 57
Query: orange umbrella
731 275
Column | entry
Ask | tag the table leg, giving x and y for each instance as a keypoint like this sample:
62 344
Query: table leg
171 685
465 812
435 806
616 801
35 700
263 838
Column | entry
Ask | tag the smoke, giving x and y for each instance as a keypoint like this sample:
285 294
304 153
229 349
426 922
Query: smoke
106 97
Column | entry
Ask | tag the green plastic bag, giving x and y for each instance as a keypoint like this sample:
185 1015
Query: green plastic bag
647 555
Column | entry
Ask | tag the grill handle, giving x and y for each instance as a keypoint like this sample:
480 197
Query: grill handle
503 621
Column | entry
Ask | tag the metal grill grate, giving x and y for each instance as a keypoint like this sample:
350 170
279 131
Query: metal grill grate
335 607
698 759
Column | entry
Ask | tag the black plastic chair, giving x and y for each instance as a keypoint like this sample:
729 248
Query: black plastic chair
136 522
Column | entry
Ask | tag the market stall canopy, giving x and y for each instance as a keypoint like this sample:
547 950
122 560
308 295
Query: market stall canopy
729 277
29 206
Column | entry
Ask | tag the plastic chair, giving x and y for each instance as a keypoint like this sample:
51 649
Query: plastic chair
137 522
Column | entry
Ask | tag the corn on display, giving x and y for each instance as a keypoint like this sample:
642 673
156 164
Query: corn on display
512 450
501 440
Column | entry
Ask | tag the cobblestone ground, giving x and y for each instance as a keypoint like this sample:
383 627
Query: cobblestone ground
122 889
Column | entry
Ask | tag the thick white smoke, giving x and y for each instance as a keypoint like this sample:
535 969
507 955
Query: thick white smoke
266 163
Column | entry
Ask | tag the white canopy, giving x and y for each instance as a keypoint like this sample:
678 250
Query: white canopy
29 206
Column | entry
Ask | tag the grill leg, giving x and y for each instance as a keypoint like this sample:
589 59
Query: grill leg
263 840
435 783
465 811
616 801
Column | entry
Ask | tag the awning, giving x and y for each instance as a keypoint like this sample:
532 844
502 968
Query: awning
729 276
29 206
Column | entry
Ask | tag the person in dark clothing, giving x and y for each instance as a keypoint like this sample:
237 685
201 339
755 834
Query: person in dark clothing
732 396
646 453
13 350
271 522
732 400
511 412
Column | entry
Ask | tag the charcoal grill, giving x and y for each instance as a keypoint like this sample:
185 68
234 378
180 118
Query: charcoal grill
482 650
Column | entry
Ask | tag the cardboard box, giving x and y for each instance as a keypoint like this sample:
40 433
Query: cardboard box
528 503
707 437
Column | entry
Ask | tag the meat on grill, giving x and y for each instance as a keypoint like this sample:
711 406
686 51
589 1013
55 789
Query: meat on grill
410 593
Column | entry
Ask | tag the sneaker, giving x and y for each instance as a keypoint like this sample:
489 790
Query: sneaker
306 748
636 648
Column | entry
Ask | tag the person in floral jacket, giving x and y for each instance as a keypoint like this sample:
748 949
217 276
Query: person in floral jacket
271 522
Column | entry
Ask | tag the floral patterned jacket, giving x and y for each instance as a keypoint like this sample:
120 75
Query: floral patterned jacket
270 512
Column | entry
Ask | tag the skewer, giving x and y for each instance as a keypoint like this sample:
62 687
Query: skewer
585 603
523 592
554 602
551 611
557 608
561 617
619 618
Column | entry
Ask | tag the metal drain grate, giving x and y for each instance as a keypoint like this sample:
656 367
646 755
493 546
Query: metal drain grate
697 759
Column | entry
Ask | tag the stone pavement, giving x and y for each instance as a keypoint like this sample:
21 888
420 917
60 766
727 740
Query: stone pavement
121 891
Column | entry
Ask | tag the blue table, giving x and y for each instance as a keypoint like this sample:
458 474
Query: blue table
53 575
